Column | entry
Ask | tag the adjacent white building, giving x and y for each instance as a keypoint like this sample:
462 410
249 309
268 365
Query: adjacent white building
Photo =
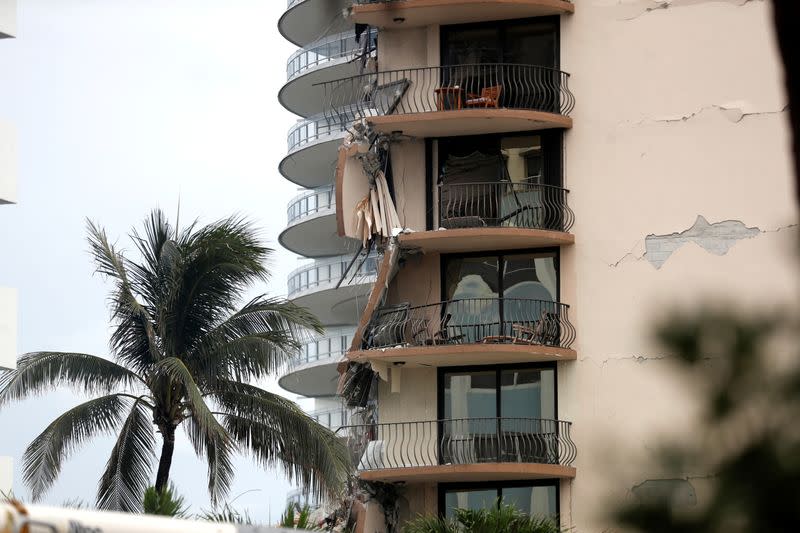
8 195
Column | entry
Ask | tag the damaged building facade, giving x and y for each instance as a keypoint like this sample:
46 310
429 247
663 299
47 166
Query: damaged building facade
333 279
8 195
539 181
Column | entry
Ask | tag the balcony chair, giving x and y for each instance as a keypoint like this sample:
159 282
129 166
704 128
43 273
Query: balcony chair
545 331
489 97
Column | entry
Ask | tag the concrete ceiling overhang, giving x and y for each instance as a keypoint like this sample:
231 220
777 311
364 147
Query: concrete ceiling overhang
315 379
474 121
315 236
415 13
332 306
308 20
483 238
314 164
301 95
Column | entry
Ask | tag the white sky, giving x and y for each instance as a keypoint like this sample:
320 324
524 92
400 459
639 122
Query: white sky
121 107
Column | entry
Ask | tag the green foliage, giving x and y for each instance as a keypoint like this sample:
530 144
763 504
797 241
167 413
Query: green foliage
297 517
183 352
164 503
228 515
499 519
750 376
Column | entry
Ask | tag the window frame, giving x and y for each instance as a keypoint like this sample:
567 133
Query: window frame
498 369
443 488
500 254
502 27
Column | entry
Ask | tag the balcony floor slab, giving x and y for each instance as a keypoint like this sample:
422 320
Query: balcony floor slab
484 238
469 473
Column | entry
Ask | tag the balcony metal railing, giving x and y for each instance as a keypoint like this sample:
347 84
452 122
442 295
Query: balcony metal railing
333 345
329 271
326 50
504 204
453 87
310 203
332 419
316 127
471 321
461 441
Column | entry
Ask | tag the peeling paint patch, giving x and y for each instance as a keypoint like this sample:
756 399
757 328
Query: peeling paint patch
638 9
715 238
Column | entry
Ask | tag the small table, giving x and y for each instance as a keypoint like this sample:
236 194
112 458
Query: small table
448 97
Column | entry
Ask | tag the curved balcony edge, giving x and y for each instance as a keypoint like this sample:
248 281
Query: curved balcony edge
455 99
463 448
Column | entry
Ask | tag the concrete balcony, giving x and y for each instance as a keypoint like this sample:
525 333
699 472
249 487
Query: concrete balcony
8 163
314 286
311 228
456 100
496 215
400 14
470 331
305 21
313 144
330 58
462 450
314 374
8 18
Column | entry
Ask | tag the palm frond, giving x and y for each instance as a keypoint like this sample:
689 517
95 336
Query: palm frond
219 262
134 338
208 437
45 455
128 469
39 372
256 341
276 430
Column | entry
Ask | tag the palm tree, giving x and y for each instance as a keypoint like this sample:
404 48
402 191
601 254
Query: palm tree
184 355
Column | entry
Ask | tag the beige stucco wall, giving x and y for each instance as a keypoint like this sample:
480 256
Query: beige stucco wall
8 18
8 163
678 115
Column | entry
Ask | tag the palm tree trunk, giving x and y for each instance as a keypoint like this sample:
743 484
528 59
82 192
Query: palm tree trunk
164 464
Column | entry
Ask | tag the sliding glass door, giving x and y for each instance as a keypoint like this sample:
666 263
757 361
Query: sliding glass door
490 298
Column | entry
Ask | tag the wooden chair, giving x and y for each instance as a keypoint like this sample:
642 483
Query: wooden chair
489 97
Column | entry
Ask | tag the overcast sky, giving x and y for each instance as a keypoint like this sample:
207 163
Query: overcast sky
122 106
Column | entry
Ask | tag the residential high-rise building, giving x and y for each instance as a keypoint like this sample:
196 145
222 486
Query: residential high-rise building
8 195
333 278
544 179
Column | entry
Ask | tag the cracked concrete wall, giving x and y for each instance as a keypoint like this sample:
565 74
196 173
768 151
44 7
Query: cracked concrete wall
680 178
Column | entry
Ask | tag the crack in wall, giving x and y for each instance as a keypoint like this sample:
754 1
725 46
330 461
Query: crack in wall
647 6
731 112
717 238
635 358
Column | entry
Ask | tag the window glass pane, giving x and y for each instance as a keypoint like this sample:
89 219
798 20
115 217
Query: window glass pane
517 151
469 433
532 43
469 499
536 501
472 290
528 393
